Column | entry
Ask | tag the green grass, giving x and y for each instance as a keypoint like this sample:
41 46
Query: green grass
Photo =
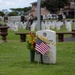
15 59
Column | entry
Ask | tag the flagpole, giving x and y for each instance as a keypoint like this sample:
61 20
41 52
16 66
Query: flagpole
39 21
38 14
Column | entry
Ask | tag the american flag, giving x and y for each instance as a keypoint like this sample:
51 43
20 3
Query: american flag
41 46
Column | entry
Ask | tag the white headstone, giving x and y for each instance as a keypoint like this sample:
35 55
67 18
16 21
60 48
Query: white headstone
33 26
47 25
53 24
69 26
49 37
43 25
15 27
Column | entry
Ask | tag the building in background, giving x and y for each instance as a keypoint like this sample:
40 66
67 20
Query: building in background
69 9
33 11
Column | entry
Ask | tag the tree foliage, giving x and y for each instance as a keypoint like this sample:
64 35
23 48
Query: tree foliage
54 5
2 13
21 11
13 14
15 11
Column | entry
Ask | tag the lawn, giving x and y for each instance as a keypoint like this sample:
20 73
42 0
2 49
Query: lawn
15 59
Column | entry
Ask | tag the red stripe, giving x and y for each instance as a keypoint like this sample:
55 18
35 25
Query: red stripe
42 48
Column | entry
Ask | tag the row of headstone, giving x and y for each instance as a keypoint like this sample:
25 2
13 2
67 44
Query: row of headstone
44 25
47 25
57 25
12 26
15 25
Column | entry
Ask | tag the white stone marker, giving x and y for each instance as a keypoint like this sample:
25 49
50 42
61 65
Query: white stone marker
49 37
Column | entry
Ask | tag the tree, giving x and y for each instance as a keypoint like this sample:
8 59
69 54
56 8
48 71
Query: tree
21 11
54 5
26 9
12 14
2 13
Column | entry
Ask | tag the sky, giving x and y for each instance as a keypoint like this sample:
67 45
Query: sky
7 4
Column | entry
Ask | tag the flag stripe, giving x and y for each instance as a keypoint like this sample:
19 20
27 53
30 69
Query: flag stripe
41 46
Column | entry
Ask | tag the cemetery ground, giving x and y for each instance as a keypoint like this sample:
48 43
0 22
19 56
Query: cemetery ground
15 59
